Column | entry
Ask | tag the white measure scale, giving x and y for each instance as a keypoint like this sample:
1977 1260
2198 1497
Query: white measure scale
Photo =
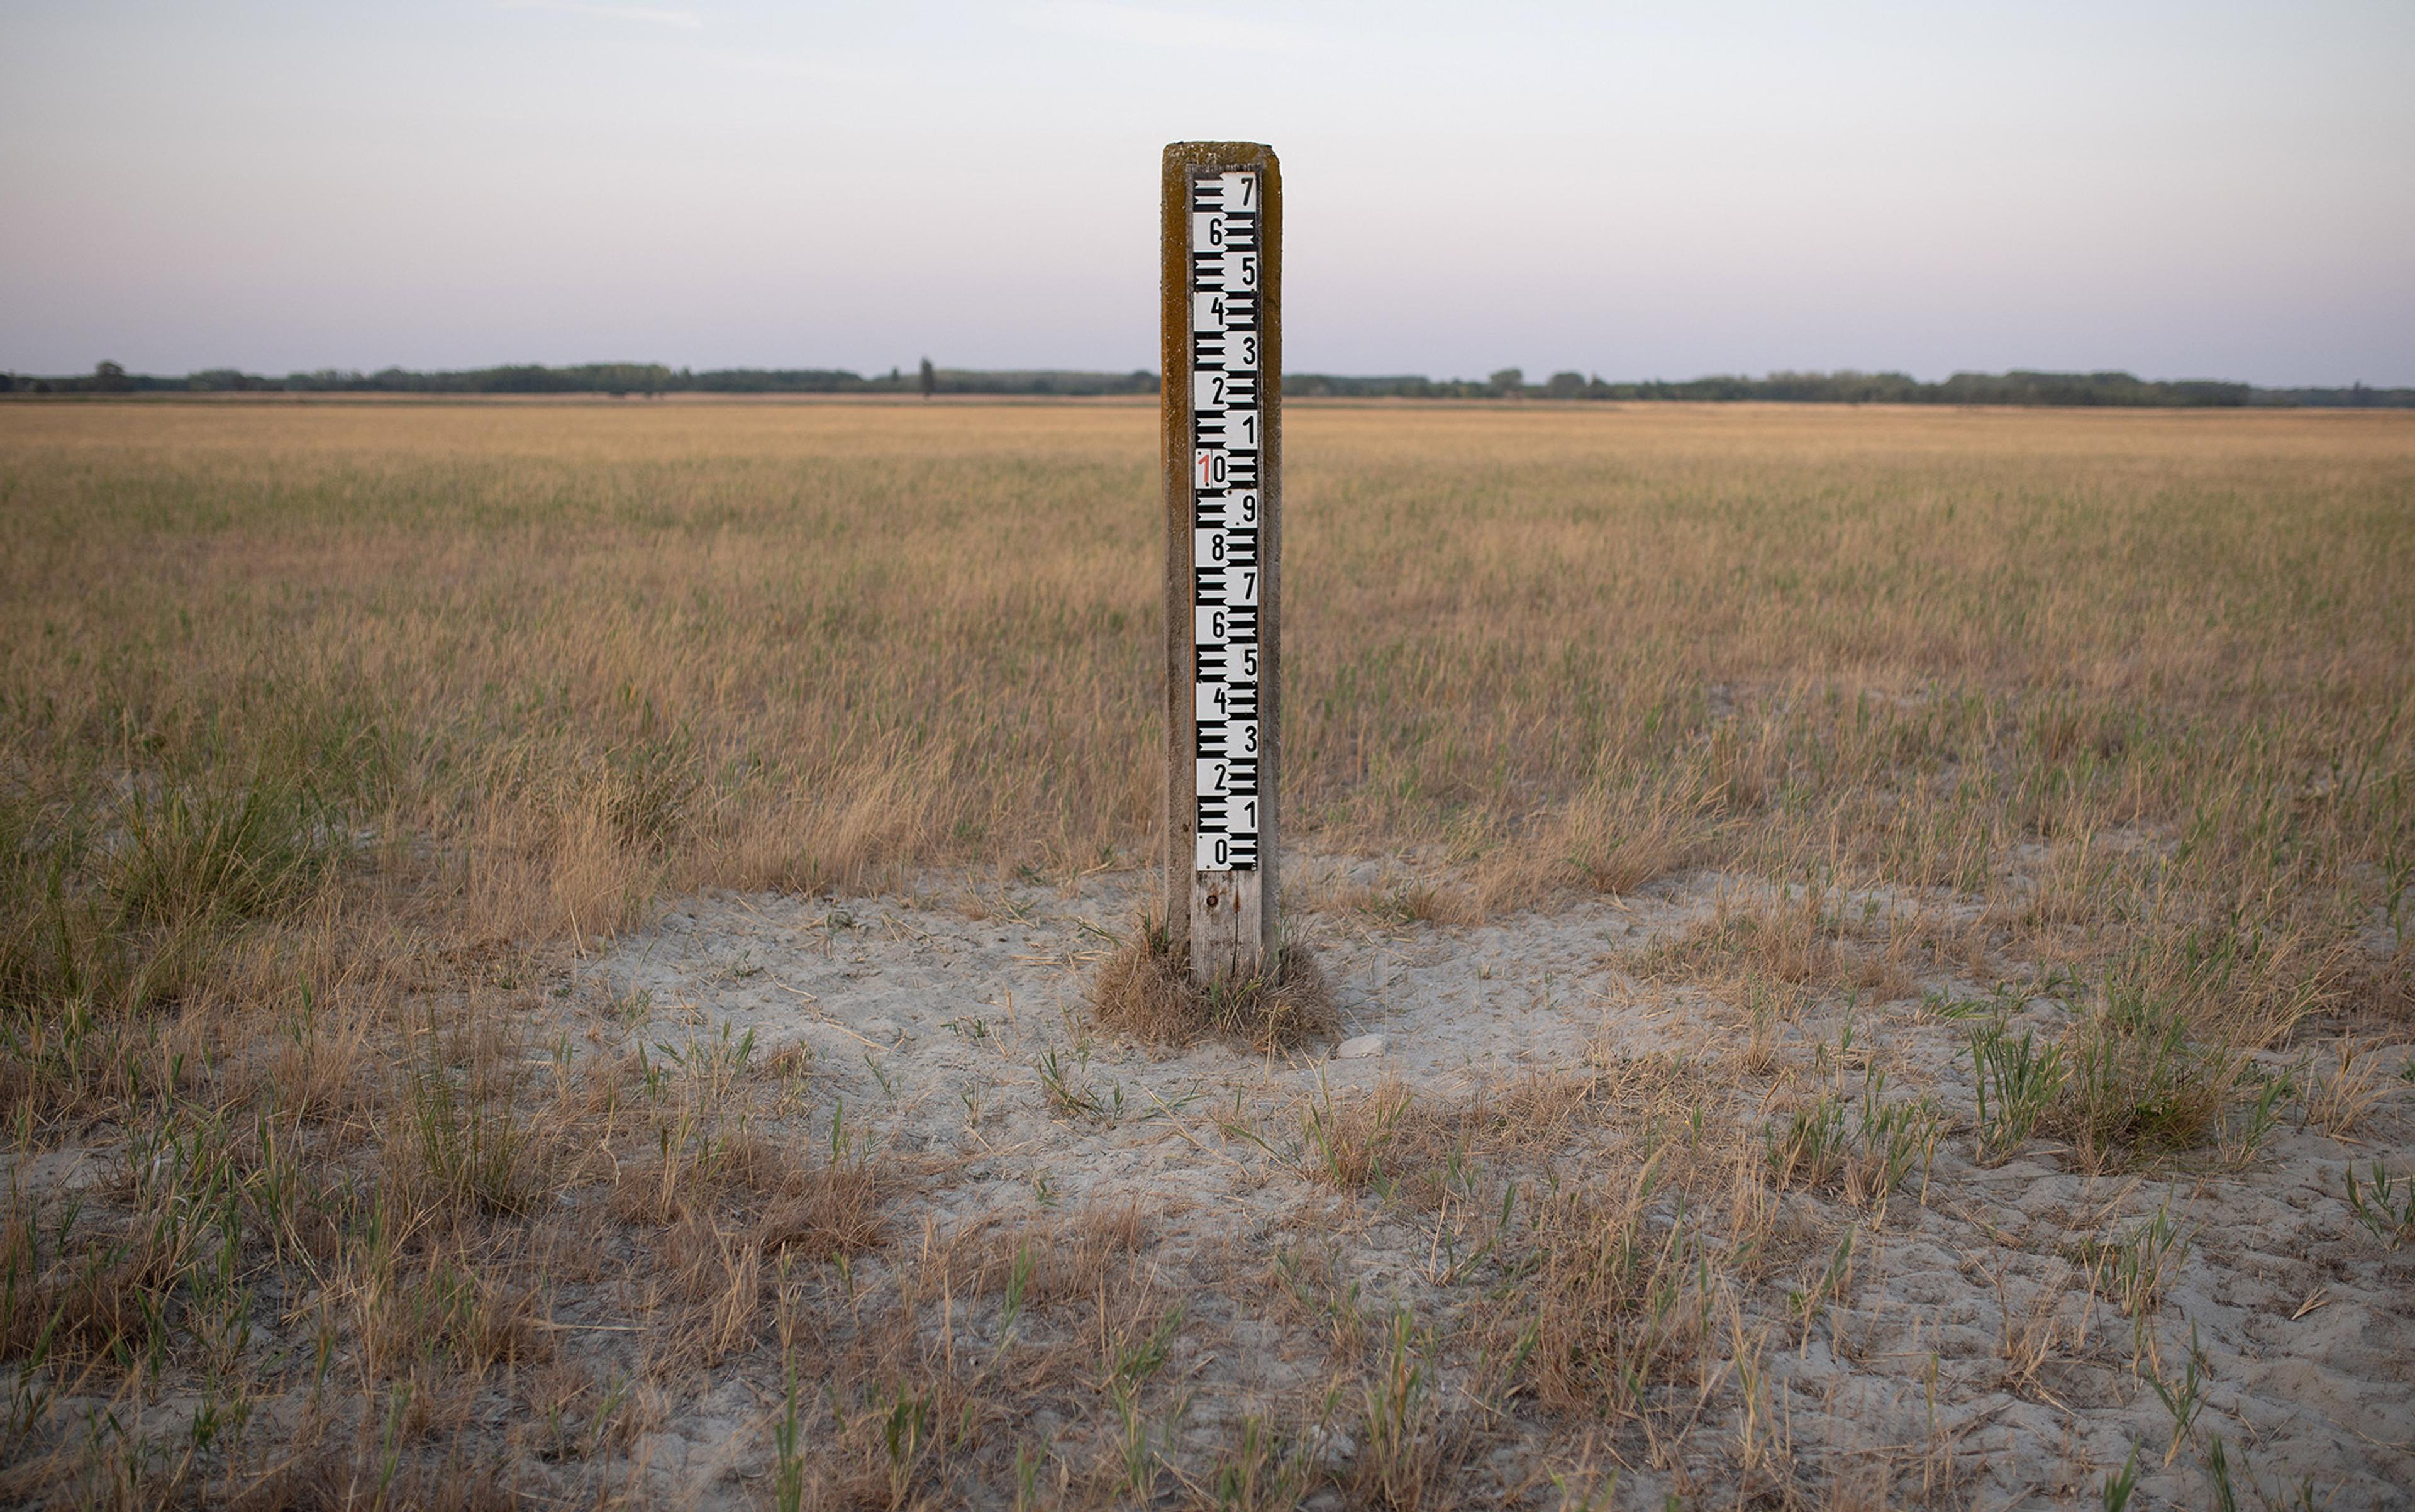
1226 515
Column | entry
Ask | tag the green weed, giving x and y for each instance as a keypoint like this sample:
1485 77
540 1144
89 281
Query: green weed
2018 1081
2383 1203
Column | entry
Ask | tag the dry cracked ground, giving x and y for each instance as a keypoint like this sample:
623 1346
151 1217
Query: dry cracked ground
1638 1205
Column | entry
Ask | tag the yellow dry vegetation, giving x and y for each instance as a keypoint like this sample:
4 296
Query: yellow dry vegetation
321 724
546 661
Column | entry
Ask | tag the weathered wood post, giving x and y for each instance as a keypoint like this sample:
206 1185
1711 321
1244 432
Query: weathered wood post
1222 359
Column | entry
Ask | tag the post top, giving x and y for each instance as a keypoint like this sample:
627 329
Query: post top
1209 154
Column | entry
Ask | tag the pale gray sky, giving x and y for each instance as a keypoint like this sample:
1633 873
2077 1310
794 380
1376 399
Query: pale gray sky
1638 189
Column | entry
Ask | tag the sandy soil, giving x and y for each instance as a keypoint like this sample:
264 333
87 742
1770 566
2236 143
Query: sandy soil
1965 1360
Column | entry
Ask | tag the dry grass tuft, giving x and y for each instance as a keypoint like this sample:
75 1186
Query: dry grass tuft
822 1209
1620 1296
1144 989
1416 901
1803 940
1043 1261
1424 1152
1626 831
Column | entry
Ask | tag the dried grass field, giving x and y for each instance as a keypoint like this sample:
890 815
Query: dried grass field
547 955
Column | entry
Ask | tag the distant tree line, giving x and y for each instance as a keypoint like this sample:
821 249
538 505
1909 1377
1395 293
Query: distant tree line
619 378
1848 387
623 379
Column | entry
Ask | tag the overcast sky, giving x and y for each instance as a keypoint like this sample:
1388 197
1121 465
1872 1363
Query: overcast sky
1634 189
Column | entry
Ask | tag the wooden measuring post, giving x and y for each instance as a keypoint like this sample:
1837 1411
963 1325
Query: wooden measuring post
1223 360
